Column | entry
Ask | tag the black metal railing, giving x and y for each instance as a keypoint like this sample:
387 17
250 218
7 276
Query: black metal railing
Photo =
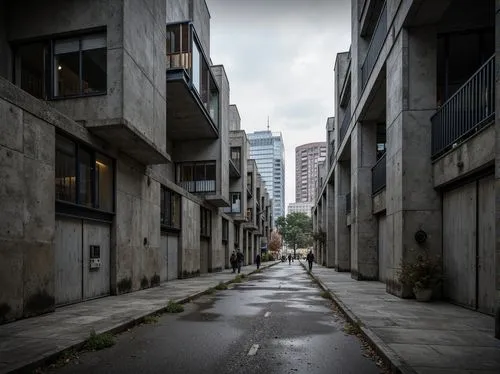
198 186
469 109
348 203
375 46
345 122
379 175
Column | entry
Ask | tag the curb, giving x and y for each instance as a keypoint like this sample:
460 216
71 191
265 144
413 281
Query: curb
390 358
115 329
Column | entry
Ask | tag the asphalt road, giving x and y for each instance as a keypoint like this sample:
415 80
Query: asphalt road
276 322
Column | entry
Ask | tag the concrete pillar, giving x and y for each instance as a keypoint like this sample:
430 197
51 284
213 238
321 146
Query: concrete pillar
325 227
364 255
497 171
412 203
330 225
342 182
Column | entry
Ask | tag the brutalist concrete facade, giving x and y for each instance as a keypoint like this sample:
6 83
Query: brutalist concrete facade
411 170
116 236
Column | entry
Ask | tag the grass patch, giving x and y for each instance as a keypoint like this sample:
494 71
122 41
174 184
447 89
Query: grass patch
96 342
243 276
352 328
149 320
326 295
221 286
174 307
237 279
210 291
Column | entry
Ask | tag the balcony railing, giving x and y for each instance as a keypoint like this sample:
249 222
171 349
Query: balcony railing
375 46
345 122
198 186
348 203
379 175
468 110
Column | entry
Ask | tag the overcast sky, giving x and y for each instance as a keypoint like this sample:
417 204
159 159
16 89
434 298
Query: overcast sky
279 57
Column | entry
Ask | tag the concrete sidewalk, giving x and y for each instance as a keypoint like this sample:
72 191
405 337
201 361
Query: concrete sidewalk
415 337
28 343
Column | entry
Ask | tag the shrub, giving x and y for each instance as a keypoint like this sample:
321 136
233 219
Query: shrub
174 307
97 342
221 286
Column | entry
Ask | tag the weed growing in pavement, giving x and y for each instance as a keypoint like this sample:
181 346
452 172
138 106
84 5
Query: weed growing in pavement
96 342
326 295
211 291
243 276
221 286
352 328
174 307
148 320
237 279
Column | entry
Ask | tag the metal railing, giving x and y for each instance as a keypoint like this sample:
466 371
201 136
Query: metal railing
198 186
375 46
348 203
469 109
379 175
345 122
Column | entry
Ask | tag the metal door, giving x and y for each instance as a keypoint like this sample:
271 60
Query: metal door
383 253
96 280
459 244
486 245
164 250
68 261
172 256
204 248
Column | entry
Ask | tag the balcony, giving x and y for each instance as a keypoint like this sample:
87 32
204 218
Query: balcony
192 93
471 108
375 47
235 162
203 186
345 122
379 175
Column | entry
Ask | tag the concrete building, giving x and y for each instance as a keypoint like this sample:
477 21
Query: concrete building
302 207
114 150
268 150
307 157
413 149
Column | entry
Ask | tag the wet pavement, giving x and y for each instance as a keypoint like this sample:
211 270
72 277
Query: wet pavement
275 322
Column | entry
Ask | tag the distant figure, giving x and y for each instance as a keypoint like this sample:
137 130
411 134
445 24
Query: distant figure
289 259
310 259
257 261
239 260
233 261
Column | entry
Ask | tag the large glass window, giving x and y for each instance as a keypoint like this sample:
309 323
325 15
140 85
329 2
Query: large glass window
235 202
197 176
196 72
170 213
83 176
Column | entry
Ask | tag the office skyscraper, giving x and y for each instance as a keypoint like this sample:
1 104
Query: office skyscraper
307 157
267 149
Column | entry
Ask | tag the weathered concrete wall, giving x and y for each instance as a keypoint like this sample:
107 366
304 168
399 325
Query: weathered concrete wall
27 219
137 250
217 256
330 225
476 153
497 169
378 202
234 118
190 238
177 11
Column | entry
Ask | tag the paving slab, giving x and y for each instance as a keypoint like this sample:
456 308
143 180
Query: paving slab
28 343
415 337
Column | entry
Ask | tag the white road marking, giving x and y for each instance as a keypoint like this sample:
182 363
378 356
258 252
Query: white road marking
267 314
253 350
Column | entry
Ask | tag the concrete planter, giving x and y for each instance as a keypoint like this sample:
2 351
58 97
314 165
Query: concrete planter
423 294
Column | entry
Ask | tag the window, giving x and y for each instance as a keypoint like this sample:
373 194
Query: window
205 222
63 67
236 156
170 209
198 176
225 230
83 176
235 202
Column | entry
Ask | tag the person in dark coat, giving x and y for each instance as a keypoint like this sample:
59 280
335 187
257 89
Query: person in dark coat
257 260
239 260
310 259
233 261
289 259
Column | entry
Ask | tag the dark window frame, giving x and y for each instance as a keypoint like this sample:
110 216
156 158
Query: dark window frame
225 230
167 219
76 208
205 222
48 62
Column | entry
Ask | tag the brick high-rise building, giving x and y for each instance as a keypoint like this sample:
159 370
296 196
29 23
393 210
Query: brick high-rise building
307 157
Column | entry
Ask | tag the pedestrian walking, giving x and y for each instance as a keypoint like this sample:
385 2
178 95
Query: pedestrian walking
239 260
257 261
233 261
289 259
310 259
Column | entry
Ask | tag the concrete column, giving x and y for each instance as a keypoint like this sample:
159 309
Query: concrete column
330 225
320 257
364 255
342 182
497 171
412 203
325 227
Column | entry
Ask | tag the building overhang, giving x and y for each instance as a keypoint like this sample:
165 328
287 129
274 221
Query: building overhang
122 134
187 117
217 201
250 226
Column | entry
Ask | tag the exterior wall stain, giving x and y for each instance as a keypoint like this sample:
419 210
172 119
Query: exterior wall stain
125 285
39 303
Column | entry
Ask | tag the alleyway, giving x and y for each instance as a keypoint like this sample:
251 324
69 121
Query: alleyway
276 322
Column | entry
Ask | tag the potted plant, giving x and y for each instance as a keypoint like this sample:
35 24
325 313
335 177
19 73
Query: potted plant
422 275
